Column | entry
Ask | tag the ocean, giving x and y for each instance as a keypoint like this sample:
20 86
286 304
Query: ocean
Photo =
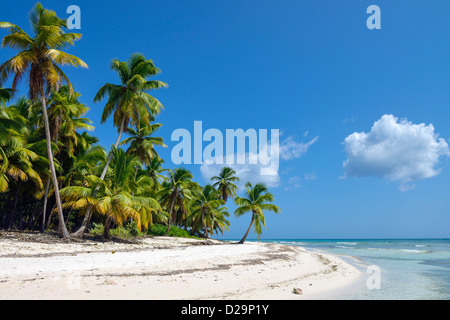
394 269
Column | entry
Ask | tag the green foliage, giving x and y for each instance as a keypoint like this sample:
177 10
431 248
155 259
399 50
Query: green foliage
128 231
97 230
160 230
133 229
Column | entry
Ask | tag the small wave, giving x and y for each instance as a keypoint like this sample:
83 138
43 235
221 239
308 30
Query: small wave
343 247
402 250
421 245
348 243
415 251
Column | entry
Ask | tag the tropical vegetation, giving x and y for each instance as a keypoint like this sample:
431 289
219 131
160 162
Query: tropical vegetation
55 174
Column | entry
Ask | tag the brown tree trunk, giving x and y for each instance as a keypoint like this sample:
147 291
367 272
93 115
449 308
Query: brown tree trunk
44 210
170 215
62 225
248 230
80 232
106 233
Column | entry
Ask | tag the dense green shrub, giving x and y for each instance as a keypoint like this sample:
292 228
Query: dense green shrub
160 230
97 230
130 230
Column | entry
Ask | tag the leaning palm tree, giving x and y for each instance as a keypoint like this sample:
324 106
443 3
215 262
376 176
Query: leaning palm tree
65 117
257 199
224 182
40 57
129 102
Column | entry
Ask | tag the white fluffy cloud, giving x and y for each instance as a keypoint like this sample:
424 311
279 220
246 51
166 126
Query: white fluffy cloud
395 149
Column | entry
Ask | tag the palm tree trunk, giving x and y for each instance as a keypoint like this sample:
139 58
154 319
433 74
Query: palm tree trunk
204 224
13 208
62 225
44 211
248 230
170 215
212 226
80 232
106 233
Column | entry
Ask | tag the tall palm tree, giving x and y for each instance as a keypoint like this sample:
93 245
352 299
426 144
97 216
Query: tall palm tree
175 195
65 113
40 57
129 102
257 199
225 182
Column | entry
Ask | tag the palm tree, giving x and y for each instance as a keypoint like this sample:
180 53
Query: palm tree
5 95
17 159
113 198
40 56
142 142
129 102
225 183
64 115
205 206
154 170
219 221
175 194
256 201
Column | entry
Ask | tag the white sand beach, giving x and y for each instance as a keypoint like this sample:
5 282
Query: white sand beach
166 268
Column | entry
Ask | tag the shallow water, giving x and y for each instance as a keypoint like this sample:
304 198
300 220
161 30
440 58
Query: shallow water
413 269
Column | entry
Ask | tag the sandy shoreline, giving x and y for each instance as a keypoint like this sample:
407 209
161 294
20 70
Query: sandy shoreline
166 268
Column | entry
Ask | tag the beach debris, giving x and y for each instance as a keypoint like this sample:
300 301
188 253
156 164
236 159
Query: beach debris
113 252
109 282
297 291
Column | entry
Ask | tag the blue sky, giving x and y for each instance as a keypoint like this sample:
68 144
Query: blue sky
310 69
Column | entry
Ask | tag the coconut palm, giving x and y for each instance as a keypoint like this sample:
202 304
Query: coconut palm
17 160
65 113
142 142
225 182
175 195
5 95
219 221
113 198
154 170
257 199
129 102
205 205
40 57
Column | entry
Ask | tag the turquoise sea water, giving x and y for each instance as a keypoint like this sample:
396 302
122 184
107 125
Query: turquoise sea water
409 268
